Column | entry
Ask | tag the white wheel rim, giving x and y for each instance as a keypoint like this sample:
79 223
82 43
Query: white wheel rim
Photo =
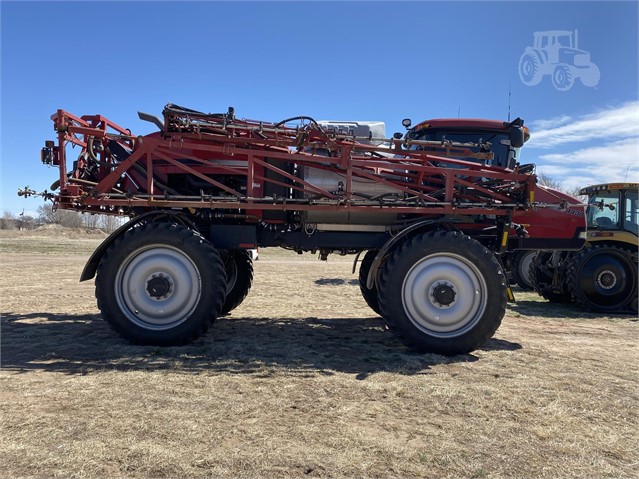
157 287
444 295
524 266
231 275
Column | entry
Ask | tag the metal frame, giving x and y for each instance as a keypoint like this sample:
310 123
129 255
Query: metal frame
209 145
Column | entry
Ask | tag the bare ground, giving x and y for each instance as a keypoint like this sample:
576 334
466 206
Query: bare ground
302 380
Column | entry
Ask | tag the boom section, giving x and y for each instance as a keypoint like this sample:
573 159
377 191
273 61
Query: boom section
219 162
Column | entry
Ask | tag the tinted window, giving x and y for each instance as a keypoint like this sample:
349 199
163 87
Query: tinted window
603 210
631 220
498 149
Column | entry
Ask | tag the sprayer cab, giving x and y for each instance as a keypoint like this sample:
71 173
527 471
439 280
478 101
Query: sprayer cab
503 139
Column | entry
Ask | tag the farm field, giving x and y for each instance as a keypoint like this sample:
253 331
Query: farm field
301 380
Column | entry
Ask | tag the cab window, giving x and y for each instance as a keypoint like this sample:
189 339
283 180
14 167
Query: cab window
631 218
603 210
499 150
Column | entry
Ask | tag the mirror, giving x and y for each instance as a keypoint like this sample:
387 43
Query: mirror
516 136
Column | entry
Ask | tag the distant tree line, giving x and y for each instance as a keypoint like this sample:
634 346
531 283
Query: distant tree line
47 215
546 180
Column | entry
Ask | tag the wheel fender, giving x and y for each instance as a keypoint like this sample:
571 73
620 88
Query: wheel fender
391 243
540 54
91 266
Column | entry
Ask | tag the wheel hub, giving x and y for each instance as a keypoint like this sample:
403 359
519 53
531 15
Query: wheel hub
443 294
159 286
607 279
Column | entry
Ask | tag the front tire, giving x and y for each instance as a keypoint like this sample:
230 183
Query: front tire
160 284
443 292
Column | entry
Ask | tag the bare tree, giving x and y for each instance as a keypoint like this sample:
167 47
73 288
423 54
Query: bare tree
8 221
49 215
26 222
546 180
91 221
70 219
110 223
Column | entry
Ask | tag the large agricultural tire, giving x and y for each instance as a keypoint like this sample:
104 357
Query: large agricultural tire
547 281
443 292
520 269
160 284
239 276
603 278
369 295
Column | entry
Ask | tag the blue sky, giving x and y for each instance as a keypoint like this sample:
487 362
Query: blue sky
329 60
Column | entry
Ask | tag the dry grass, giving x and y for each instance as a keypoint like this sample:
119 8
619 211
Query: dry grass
303 380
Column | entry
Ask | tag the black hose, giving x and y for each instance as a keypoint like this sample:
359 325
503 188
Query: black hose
312 120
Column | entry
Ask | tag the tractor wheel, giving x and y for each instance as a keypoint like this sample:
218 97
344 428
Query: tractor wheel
530 69
591 76
563 77
604 278
443 292
520 269
370 295
161 284
547 279
239 276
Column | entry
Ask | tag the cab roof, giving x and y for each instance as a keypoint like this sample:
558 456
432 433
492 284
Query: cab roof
462 123
607 187
467 124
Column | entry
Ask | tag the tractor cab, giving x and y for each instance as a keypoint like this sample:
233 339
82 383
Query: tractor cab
503 139
612 208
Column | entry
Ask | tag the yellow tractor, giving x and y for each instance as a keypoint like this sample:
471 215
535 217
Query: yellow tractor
602 276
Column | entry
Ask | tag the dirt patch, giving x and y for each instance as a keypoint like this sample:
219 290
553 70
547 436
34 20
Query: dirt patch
303 379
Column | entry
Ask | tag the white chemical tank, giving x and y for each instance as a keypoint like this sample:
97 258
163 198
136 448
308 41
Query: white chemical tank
366 132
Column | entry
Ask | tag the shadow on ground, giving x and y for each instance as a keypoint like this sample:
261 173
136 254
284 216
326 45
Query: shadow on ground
78 344
560 310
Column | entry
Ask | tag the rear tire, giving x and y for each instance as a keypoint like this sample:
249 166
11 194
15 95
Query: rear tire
443 292
369 295
160 284
239 274
604 279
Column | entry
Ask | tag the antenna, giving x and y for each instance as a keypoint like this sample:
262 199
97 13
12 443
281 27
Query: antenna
458 111
510 84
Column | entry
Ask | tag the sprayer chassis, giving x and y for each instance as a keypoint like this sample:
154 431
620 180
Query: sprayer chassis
206 187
